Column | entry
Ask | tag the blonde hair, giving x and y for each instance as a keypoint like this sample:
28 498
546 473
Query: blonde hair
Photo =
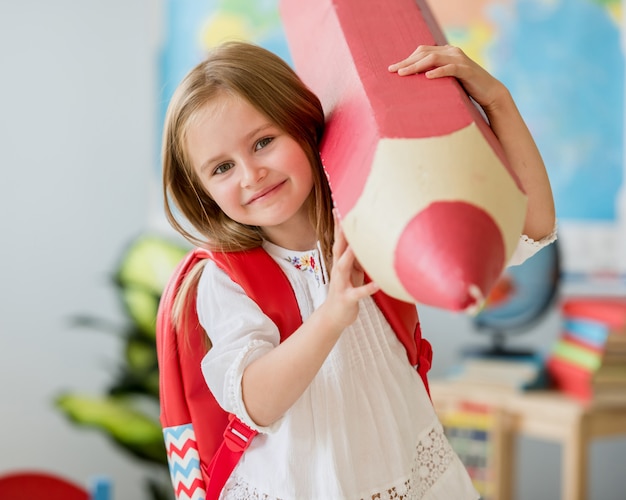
274 89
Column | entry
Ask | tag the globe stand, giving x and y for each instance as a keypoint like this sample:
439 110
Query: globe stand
498 349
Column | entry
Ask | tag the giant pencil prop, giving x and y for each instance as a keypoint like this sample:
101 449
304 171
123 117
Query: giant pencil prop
423 190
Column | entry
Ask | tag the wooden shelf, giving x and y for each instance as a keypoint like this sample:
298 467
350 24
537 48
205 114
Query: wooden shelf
547 415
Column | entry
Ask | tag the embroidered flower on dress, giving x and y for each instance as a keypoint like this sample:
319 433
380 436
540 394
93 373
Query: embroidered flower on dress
308 263
304 262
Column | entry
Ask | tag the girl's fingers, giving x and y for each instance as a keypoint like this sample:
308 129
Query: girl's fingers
353 277
346 269
345 264
361 292
450 61
369 289
411 61
340 244
428 59
345 260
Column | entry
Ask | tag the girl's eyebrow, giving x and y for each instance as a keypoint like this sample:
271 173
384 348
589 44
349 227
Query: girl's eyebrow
206 164
259 129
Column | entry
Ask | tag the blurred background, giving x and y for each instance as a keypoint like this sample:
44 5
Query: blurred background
83 89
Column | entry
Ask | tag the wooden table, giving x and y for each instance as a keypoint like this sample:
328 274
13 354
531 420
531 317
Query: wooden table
541 414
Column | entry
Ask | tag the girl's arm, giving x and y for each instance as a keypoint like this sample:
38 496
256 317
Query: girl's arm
272 383
505 120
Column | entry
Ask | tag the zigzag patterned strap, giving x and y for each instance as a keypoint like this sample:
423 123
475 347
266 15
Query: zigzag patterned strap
184 462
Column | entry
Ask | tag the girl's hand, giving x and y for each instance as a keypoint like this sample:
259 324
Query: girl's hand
505 121
347 285
441 61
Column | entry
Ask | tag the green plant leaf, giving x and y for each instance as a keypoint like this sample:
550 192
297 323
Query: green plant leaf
142 307
148 263
142 275
116 417
130 382
141 355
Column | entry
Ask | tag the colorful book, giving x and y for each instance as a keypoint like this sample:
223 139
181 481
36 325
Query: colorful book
610 311
587 358
591 332
588 361
570 378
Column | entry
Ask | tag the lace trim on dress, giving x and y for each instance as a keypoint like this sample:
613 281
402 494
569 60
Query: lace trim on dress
243 491
546 240
433 456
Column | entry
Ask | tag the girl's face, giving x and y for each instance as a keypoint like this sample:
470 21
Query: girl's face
254 171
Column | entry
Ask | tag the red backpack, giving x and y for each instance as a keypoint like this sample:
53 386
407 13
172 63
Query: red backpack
204 442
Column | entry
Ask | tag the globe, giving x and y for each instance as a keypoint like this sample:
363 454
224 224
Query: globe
519 300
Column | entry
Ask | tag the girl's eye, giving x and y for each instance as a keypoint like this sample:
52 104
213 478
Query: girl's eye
262 143
223 168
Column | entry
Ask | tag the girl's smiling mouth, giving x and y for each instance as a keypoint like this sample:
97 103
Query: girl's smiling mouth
262 194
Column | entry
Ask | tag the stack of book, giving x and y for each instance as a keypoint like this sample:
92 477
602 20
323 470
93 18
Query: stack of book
588 361
501 370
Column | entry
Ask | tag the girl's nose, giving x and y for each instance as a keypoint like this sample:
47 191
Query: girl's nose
252 173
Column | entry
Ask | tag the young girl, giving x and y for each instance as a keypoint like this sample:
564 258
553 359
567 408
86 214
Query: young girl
340 411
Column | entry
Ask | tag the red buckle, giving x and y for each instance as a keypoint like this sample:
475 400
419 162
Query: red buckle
238 435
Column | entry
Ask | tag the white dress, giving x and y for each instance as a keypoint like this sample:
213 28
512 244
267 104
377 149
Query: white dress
364 428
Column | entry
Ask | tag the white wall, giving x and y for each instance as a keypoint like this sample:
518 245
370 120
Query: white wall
77 160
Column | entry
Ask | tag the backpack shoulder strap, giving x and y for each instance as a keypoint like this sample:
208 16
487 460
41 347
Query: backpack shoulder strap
264 282
195 426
